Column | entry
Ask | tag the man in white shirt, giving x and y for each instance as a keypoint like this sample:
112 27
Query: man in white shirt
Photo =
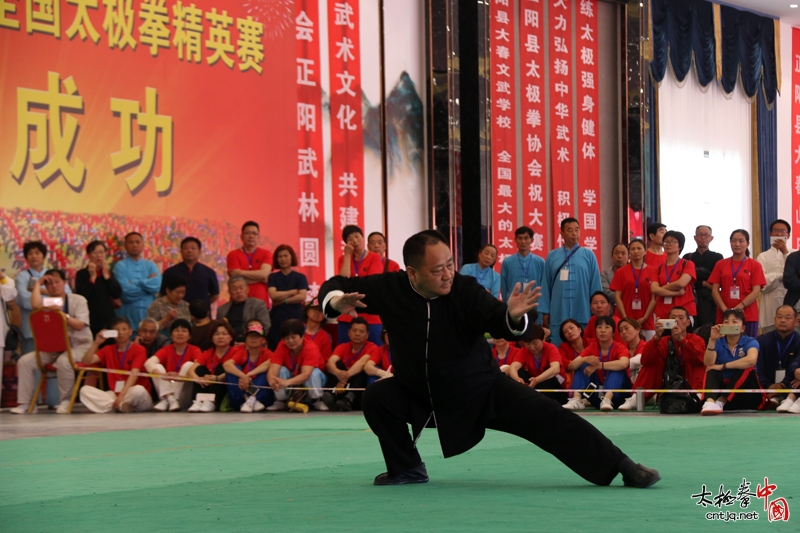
773 261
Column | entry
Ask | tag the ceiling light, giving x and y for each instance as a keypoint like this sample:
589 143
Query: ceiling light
793 6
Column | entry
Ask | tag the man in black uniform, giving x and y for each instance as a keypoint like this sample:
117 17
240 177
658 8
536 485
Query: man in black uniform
444 374
704 261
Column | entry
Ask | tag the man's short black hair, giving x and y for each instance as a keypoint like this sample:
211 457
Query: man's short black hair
780 221
250 223
349 230
194 240
794 311
569 220
130 234
359 320
172 282
94 244
198 309
34 245
599 293
56 272
678 236
117 320
376 233
679 308
653 228
292 327
180 323
415 247
736 313
523 230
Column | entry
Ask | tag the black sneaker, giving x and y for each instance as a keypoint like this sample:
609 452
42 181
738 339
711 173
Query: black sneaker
637 475
415 475
344 405
327 399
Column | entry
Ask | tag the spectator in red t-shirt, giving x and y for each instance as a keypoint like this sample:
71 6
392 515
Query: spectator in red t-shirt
737 281
603 364
504 353
173 361
655 256
313 319
572 346
357 261
600 305
208 369
538 364
346 367
674 284
379 365
632 336
632 289
246 372
252 263
376 242
296 363
126 394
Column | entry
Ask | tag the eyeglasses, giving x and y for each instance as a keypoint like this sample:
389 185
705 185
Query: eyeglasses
777 231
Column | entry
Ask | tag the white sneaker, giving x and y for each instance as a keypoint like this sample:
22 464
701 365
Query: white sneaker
63 408
795 408
277 405
247 406
319 405
258 406
22 409
574 405
196 407
711 408
629 405
207 407
161 406
785 406
174 404
606 405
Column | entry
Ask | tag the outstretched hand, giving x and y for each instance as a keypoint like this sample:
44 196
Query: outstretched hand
347 303
520 302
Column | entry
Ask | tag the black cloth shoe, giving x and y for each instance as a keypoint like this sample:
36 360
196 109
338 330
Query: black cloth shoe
415 475
327 399
344 405
637 475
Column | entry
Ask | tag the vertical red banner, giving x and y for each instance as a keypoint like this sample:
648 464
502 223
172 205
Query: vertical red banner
504 140
347 134
588 112
310 156
796 136
561 112
534 134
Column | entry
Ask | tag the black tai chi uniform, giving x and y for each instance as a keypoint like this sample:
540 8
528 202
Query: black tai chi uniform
445 375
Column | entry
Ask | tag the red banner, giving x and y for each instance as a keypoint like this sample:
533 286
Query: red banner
796 136
347 135
561 112
504 141
310 156
588 112
534 134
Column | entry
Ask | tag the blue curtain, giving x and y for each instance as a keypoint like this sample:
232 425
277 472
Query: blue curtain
652 187
767 125
748 40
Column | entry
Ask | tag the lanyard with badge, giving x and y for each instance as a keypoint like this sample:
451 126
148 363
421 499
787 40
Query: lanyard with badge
480 277
606 359
251 364
357 264
564 272
180 361
525 266
356 357
538 364
636 303
120 384
780 373
250 259
505 357
735 293
215 361
668 274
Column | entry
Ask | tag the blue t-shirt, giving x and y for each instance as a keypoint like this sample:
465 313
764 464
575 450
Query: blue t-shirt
724 354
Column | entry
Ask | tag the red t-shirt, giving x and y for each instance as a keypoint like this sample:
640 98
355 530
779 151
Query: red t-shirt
133 357
241 358
625 281
345 352
211 360
614 353
323 341
549 355
173 361
507 358
370 265
308 356
749 273
589 334
668 274
238 259
654 260
382 357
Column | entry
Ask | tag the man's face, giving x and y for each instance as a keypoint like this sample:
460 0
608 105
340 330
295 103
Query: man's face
35 258
658 236
134 245
571 234
600 306
294 341
681 320
174 296
238 290
434 277
190 252
784 319
254 341
250 236
123 333
180 335
358 334
703 237
523 242
620 255
55 286
148 333
377 244
315 315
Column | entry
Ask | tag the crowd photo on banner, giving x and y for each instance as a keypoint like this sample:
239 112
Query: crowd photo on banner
132 335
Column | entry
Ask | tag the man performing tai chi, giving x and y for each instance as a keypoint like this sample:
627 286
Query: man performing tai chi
444 373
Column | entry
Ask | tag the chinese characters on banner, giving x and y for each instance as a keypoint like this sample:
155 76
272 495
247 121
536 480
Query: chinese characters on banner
310 160
347 136
534 135
796 136
561 135
504 140
588 126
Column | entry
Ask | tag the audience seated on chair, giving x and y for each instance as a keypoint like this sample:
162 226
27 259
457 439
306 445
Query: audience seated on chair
173 361
241 308
172 305
246 372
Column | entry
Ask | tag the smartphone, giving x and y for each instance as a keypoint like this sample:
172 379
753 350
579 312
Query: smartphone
110 334
773 239
49 301
667 323
730 330
591 387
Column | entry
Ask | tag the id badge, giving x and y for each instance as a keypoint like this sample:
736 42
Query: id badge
564 276
118 386
779 375
667 300
735 293
636 304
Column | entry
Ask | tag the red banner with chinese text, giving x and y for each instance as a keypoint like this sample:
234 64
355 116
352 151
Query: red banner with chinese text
347 135
534 134
504 140
796 136
561 112
588 113
310 156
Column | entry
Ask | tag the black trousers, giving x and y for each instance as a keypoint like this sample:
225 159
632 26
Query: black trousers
741 379
552 383
219 390
359 381
520 410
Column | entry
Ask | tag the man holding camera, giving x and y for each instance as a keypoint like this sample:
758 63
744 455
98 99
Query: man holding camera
76 310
